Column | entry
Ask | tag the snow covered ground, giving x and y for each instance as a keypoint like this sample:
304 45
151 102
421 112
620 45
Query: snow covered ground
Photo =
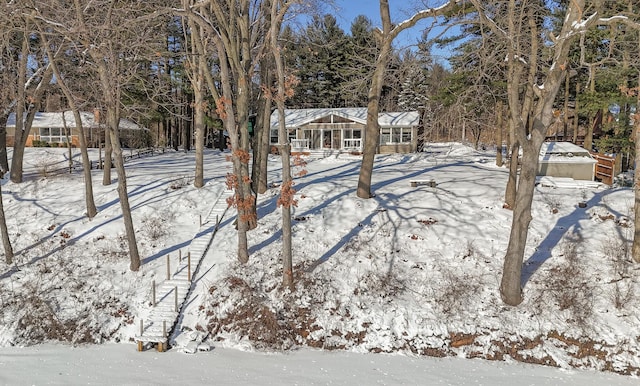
121 365
413 271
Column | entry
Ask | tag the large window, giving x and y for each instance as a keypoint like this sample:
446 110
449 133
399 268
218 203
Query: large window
395 135
52 135
275 137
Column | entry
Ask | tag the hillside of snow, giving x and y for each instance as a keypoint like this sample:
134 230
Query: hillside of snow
414 270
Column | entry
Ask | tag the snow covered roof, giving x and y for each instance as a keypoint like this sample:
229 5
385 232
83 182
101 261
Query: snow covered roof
300 117
565 148
58 120
564 152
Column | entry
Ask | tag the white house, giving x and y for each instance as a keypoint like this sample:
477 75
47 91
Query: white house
58 128
344 129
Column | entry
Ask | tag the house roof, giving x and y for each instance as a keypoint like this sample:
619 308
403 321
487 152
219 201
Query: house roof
300 117
564 152
58 120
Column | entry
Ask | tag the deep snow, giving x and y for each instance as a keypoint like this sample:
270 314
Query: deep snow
414 270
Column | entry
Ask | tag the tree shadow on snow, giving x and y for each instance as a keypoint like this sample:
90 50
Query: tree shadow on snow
566 226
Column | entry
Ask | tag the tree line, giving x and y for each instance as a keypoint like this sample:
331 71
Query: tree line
519 70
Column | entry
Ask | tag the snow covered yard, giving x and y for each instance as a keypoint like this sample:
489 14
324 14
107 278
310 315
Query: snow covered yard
413 270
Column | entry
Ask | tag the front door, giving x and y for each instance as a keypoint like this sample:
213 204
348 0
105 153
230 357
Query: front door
337 139
331 139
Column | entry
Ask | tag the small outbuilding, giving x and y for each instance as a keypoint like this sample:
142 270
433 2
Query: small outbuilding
565 159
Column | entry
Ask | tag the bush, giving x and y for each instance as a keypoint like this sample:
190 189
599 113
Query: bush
38 143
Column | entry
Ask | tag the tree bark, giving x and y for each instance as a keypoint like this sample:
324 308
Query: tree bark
510 285
499 129
86 162
531 112
635 249
197 82
108 152
372 131
4 160
6 241
286 193
24 122
385 39
261 136
123 195
575 115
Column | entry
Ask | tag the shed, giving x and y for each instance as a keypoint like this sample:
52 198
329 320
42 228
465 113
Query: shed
565 159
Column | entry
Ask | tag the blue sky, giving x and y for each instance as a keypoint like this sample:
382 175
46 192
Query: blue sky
347 10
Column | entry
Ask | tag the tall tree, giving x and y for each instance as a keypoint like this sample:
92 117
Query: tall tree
320 63
531 111
278 10
116 38
71 99
196 69
31 88
385 37
359 62
9 47
236 30
4 232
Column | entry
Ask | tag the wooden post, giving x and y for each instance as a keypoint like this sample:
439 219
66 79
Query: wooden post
168 268
153 293
180 255
200 221
175 291
140 345
189 266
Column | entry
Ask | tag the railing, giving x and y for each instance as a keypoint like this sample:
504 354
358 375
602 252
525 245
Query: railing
606 168
299 144
352 144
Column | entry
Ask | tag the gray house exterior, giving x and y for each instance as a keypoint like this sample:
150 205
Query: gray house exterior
344 129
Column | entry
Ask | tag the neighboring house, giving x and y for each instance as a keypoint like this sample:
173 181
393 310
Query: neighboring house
564 159
344 129
59 128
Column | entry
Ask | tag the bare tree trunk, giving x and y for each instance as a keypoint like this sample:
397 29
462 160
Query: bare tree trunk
635 249
372 131
499 129
86 162
113 122
385 39
525 108
565 119
575 115
6 242
261 137
512 181
24 123
4 160
108 151
197 82
287 191
510 286
18 151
